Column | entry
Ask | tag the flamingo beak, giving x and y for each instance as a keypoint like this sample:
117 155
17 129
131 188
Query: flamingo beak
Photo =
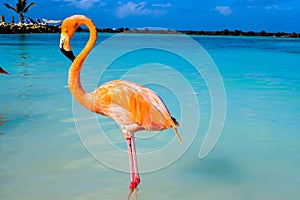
3 71
65 47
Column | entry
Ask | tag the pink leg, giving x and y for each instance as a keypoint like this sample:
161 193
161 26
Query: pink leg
135 166
131 165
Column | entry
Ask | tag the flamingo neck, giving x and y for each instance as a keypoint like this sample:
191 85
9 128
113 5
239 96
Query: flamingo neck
81 96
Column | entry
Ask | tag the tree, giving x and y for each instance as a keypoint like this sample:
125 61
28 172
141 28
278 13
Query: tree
20 8
2 18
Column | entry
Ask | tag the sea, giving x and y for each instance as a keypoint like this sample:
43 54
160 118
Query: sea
237 100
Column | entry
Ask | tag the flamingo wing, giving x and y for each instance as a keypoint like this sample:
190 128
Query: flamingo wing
130 104
147 109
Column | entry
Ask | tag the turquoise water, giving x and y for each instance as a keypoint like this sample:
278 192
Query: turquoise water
256 157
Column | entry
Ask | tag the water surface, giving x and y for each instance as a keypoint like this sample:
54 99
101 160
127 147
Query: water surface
257 156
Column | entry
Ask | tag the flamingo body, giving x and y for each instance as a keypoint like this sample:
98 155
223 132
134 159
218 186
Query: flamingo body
132 106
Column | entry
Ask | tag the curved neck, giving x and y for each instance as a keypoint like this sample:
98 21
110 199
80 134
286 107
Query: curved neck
84 98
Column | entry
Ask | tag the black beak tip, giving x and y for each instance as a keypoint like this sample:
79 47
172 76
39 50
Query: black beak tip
68 54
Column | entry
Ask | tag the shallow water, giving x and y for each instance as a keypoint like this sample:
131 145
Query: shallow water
256 157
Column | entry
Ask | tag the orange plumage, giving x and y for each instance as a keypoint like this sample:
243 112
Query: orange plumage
132 106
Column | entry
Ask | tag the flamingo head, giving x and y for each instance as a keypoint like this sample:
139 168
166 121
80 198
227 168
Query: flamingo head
68 28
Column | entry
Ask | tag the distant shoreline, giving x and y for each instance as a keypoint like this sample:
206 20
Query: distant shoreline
6 28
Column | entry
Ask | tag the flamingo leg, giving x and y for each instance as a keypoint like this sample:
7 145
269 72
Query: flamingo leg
132 174
135 165
130 159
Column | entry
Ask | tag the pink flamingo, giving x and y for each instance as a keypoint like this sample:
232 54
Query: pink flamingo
132 106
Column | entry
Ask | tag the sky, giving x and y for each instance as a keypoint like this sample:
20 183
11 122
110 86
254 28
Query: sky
209 15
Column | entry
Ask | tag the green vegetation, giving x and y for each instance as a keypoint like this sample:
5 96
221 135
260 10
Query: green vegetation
21 8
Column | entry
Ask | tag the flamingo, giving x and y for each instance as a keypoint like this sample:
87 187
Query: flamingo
2 71
132 106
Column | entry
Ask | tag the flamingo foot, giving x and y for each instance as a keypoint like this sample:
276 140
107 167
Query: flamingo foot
133 185
137 180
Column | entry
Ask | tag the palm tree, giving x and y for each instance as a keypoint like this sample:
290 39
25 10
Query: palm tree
20 8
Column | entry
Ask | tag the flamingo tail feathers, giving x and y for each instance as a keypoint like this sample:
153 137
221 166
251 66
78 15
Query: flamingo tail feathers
174 123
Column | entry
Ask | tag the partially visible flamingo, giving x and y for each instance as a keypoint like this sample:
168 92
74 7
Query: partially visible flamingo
132 106
2 71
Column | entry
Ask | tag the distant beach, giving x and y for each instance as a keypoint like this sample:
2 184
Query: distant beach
8 28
